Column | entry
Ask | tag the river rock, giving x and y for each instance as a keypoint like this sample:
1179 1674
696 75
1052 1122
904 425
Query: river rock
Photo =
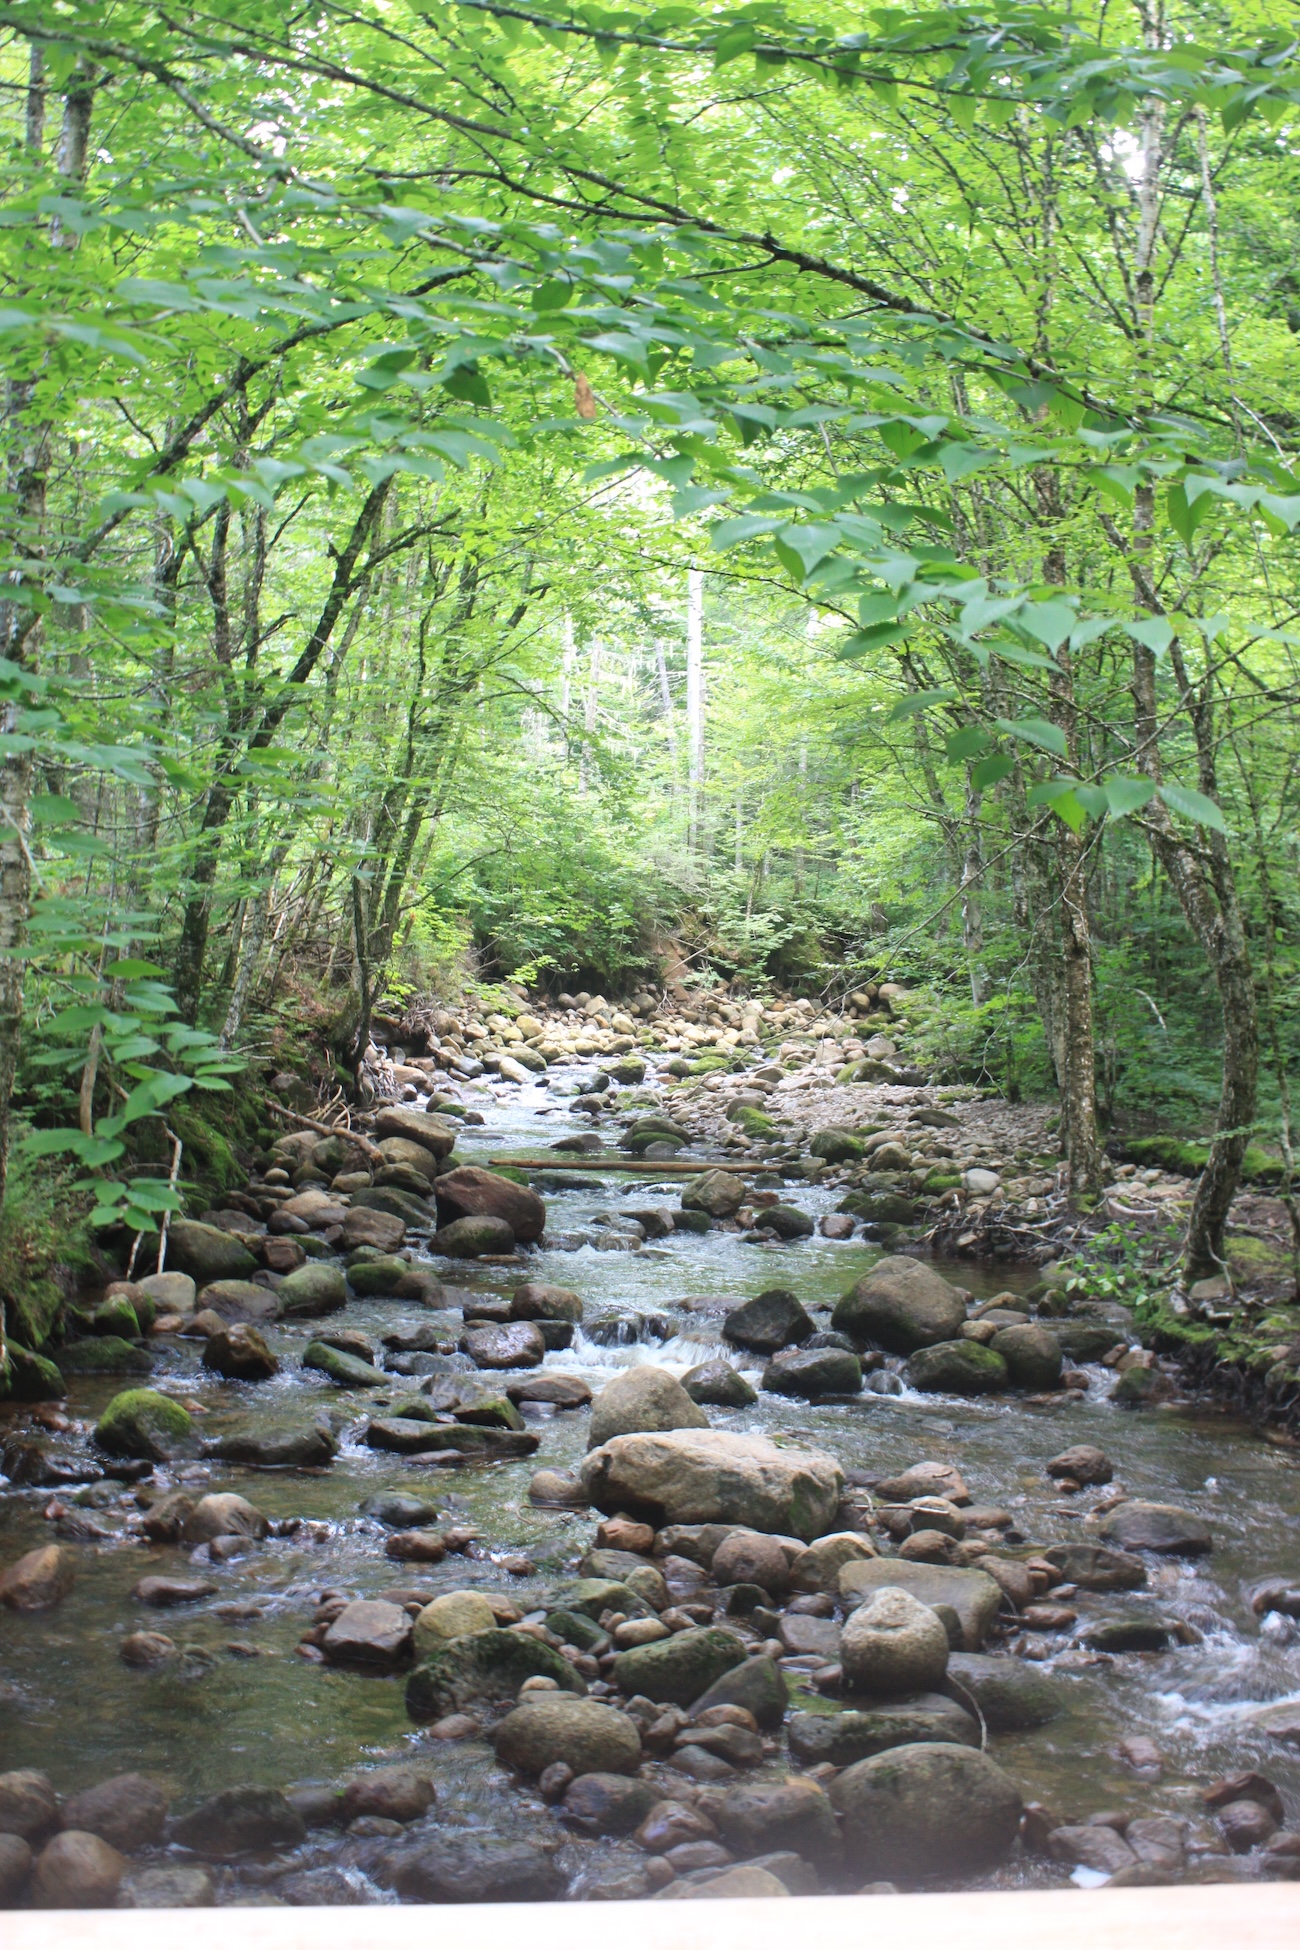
1094 1568
417 1126
314 1289
1083 1463
471 1867
773 1320
518 1344
143 1423
164 1593
1011 1694
957 1368
928 1809
559 1390
717 1193
401 1793
732 1885
536 1300
38 1580
240 1821
404 1204
750 1557
972 1595
16 1860
483 1665
1162 1528
171 1293
309 1447
240 1354
127 1812
844 1737
818 1568
404 1151
76 1871
29 1807
1032 1354
677 1670
1100 1848
892 1646
452 1615
166 1889
380 1277
224 1514
206 1253
642 1399
344 1370
607 1804
471 1192
369 1632
144 1650
765 1815
233 1301
716 1384
810 1373
1086 1340
756 1684
924 1479
708 1476
363 1226
473 1236
583 1734
901 1305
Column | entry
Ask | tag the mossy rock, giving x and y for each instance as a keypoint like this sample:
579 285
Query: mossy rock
940 1181
483 1665
1187 1157
141 1422
30 1377
116 1315
754 1123
103 1354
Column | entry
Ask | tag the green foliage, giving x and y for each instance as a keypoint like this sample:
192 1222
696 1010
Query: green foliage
43 1235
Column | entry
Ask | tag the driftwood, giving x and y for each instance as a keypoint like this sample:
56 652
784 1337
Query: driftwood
363 1144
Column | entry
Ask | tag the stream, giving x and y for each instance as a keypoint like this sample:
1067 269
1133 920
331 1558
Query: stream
239 1705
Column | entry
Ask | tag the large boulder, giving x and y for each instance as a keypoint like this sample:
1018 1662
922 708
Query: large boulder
759 1817
765 1325
312 1290
239 1821
310 1446
452 1615
971 1594
483 1665
1010 1694
471 1867
1032 1354
957 1368
1163 1528
77 1871
842 1738
478 1237
926 1810
708 1476
239 1353
415 1157
364 1227
717 1193
677 1670
206 1253
38 1580
537 1300
716 1384
417 1126
749 1557
470 1192
901 1305
808 1373
639 1400
583 1734
893 1646
401 1204
239 1301
127 1812
1094 1568
143 1423
517 1344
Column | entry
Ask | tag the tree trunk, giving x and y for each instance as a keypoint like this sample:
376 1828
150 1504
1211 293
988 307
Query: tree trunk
694 700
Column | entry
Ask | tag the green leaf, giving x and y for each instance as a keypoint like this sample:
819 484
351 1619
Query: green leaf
132 971
1048 623
969 742
1155 632
1193 805
907 707
876 638
990 771
1124 795
1035 731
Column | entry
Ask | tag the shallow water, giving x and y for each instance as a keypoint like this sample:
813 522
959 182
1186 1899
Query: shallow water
240 1706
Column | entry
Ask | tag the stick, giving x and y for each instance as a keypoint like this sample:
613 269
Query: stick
327 1130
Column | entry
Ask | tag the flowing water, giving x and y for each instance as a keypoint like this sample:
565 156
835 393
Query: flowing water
240 1706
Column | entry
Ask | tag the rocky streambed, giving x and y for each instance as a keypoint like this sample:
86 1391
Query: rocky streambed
657 1536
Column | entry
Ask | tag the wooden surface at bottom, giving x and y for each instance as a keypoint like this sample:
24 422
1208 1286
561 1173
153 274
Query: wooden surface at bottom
1219 1916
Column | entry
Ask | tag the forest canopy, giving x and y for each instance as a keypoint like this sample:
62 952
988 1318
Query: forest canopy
509 491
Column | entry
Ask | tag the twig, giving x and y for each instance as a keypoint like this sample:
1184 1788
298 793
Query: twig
363 1144
172 1176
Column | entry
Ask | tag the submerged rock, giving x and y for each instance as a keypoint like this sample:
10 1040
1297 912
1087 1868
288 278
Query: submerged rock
39 1580
240 1821
1162 1528
471 1868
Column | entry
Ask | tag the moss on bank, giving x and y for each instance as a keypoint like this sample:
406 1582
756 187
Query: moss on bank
1187 1157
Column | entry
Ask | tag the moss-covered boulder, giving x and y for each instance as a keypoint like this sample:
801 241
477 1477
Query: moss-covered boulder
30 1377
312 1290
104 1354
483 1665
141 1422
957 1368
677 1670
206 1253
378 1277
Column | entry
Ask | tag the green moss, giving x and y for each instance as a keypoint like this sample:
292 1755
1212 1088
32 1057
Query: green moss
141 1422
754 1123
941 1181
43 1234
1187 1157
